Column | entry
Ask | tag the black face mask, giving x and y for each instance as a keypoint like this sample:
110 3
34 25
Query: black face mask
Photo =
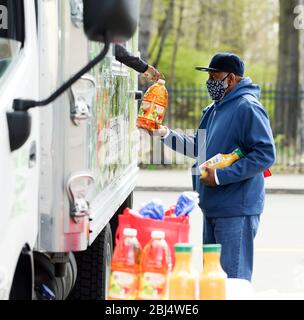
217 89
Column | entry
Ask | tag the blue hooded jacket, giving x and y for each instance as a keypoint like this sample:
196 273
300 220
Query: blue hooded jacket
237 121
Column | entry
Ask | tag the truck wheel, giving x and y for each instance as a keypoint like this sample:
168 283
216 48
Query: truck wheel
128 203
93 269
45 275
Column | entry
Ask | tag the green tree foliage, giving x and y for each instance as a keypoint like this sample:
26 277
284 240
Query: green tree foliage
248 28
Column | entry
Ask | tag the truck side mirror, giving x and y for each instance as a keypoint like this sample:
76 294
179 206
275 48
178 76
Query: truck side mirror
118 18
19 128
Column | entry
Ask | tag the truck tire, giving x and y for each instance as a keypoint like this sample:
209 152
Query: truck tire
128 203
93 269
45 274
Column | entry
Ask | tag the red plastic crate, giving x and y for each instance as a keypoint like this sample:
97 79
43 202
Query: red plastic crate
177 230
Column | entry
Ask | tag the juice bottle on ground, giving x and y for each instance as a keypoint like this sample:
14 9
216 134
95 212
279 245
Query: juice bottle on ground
221 161
125 267
155 268
183 280
213 278
153 107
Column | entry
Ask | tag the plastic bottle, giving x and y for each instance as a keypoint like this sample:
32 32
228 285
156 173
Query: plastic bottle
226 160
155 268
183 280
125 267
153 107
213 278
221 161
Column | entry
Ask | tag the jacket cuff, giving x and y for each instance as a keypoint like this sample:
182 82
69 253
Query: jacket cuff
143 67
222 177
166 135
216 177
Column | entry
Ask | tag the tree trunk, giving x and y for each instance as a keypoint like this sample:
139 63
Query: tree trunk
167 27
287 104
176 44
301 89
200 25
206 22
156 40
145 27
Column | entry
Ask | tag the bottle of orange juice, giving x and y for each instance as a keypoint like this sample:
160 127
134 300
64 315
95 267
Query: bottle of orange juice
125 267
153 107
221 161
213 278
155 268
183 280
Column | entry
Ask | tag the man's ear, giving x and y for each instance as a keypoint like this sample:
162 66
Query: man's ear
231 79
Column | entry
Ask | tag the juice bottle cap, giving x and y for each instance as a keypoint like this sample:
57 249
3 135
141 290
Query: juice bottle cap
212 248
157 235
130 232
161 81
183 247
239 152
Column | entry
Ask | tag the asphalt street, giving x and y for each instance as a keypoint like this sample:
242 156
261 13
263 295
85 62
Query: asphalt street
279 245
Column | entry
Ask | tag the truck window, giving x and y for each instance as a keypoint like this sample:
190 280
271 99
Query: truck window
11 31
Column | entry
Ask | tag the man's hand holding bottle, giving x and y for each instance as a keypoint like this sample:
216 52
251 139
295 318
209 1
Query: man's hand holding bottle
161 131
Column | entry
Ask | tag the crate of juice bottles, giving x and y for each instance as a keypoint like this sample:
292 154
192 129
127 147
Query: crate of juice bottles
173 221
146 273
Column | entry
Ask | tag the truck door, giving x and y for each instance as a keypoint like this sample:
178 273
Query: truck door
18 169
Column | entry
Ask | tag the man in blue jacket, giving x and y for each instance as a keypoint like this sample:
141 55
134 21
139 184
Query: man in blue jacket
232 199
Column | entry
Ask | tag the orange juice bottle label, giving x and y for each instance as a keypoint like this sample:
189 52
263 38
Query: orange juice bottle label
152 111
160 111
215 160
123 285
153 286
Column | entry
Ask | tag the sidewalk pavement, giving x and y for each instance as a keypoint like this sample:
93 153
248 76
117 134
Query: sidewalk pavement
180 180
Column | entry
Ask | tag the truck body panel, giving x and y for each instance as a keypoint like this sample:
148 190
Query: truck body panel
18 175
36 206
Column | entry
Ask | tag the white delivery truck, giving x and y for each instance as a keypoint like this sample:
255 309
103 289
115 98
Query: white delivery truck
68 157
